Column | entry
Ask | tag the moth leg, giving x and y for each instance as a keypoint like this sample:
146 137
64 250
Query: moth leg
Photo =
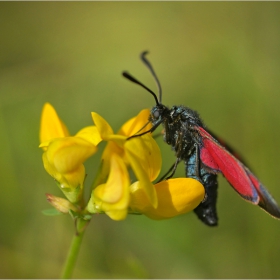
171 169
174 168
148 131
178 148
197 163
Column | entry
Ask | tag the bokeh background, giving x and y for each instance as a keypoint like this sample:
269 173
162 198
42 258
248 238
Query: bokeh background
219 58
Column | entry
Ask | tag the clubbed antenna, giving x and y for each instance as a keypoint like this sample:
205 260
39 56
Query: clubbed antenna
150 67
132 79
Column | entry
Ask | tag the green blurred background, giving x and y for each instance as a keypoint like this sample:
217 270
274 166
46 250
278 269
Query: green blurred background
221 59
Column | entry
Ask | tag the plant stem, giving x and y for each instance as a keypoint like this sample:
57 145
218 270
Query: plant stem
74 249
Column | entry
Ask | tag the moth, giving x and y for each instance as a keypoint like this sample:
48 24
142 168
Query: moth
204 155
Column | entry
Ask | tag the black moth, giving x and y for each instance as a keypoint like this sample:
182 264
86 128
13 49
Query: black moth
204 156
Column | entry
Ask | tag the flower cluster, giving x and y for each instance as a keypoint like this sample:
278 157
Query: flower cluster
128 167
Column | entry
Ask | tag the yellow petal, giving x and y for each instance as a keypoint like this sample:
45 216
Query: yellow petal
117 215
132 126
152 161
147 153
117 182
45 144
68 153
110 149
51 125
118 139
112 197
90 134
175 197
103 127
70 183
74 178
139 159
49 167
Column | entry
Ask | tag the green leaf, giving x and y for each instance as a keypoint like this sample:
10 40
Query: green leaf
51 212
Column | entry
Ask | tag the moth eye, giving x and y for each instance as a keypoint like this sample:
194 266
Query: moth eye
156 114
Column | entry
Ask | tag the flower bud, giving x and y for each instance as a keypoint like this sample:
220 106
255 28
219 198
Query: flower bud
60 204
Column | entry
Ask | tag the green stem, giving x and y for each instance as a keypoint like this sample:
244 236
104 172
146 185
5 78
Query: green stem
74 249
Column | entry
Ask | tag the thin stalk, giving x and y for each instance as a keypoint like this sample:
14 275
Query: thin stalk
74 249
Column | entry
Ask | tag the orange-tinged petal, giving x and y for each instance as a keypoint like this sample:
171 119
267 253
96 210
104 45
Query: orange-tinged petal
134 125
110 149
113 196
175 197
51 125
90 134
117 182
103 127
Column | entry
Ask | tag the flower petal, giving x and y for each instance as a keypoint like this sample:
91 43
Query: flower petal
70 183
135 124
139 160
117 215
110 149
103 127
90 134
51 125
147 152
118 180
112 197
68 153
175 197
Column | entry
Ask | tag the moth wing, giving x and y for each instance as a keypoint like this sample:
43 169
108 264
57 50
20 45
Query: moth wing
266 201
218 159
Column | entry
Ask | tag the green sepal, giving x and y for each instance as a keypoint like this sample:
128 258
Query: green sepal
75 215
72 194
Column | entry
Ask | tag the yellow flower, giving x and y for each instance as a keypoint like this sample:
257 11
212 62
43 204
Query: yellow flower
64 155
175 197
113 193
113 196
116 198
51 125
142 154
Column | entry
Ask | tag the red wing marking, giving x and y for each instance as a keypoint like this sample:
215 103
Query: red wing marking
217 158
214 156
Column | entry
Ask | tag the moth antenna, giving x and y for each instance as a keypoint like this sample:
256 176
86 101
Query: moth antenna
132 79
150 67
